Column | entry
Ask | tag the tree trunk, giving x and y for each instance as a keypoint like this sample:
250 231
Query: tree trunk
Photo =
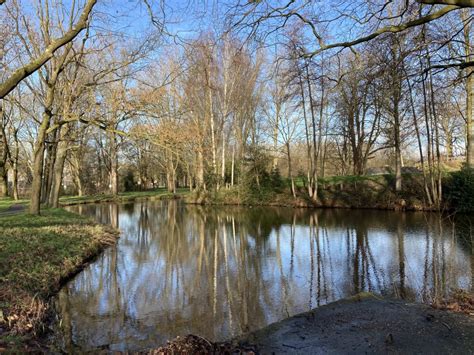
38 157
470 120
57 178
290 172
223 158
14 158
113 166
170 174
76 172
3 157
232 167
38 154
49 170
466 18
308 142
213 138
200 170
398 151
275 137
16 195
3 181
114 177
314 173
418 137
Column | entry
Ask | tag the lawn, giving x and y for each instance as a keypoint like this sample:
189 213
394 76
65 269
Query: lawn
37 254
6 203
122 196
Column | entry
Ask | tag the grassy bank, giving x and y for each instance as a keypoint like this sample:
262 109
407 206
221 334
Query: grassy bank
37 255
7 204
376 191
121 197
373 192
341 192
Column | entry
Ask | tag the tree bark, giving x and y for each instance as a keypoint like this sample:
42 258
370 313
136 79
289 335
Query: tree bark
14 159
200 170
3 159
113 177
232 167
49 170
223 159
314 173
398 150
38 154
290 172
170 174
308 142
466 18
38 157
57 176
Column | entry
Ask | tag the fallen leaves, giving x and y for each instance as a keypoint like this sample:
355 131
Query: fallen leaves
460 301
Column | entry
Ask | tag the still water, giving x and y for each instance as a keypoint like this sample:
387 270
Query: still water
222 271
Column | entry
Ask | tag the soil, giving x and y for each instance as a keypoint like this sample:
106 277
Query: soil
367 324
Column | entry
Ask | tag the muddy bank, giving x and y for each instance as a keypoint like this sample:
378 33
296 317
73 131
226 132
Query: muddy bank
367 324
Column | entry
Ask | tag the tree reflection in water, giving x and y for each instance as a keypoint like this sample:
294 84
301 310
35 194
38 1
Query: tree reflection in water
222 271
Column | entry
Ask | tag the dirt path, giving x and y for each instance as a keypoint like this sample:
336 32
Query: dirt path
366 324
13 209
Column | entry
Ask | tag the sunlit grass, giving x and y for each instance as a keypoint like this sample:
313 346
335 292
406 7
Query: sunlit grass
122 196
6 203
37 253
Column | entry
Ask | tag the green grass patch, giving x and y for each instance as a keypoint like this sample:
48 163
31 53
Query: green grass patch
37 254
122 196
351 179
6 203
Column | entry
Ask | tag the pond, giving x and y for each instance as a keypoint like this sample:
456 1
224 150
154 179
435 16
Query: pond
221 271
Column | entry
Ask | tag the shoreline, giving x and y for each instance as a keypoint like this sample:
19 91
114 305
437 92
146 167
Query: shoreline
366 323
34 341
58 245
143 195
301 202
363 323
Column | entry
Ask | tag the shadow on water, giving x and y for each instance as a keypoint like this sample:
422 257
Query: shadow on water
222 271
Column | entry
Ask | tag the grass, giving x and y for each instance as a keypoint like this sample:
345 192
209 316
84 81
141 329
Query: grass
369 191
122 196
37 254
6 203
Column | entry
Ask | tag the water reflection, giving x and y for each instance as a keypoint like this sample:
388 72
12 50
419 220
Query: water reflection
219 272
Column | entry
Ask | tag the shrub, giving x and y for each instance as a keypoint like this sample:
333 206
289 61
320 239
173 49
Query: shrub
459 190
276 181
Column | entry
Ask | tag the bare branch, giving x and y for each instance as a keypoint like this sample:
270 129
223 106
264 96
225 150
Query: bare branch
460 3
18 75
388 29
461 65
